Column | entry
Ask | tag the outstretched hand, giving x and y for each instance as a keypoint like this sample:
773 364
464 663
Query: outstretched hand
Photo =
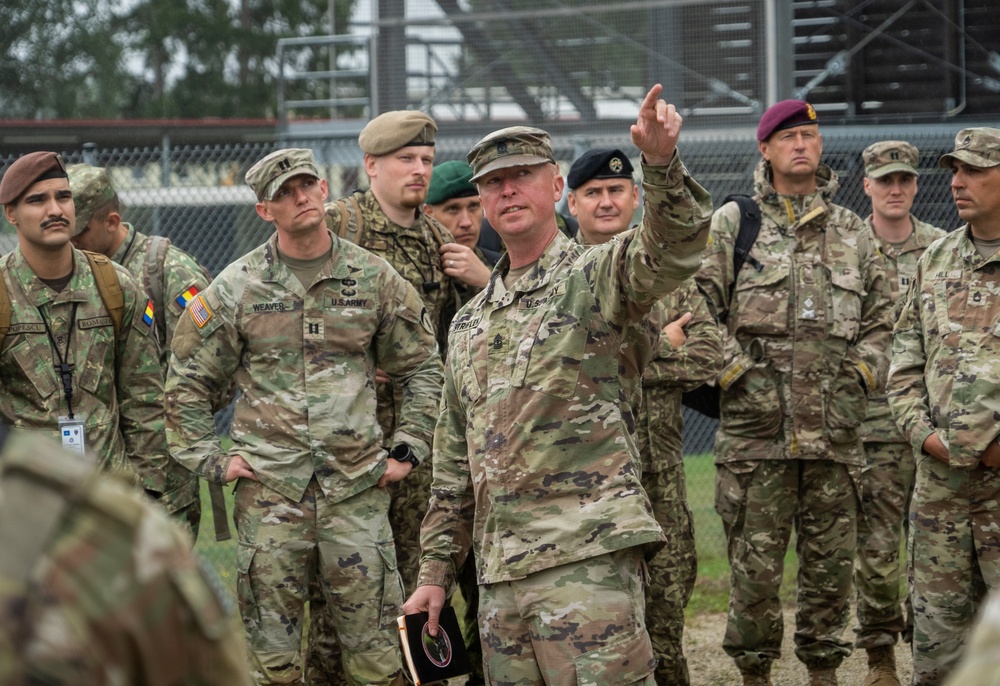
657 128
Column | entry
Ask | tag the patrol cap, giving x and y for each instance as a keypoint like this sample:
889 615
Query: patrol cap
786 114
599 163
886 157
92 190
450 180
267 175
27 170
979 147
515 146
391 131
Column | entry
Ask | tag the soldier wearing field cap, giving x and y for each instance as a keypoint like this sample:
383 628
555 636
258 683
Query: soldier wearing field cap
170 277
944 391
535 464
300 323
805 327
891 171
79 359
603 198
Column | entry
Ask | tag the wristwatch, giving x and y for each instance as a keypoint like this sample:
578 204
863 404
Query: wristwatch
404 453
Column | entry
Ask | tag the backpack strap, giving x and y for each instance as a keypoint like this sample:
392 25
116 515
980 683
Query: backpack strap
749 228
109 287
5 311
153 274
346 226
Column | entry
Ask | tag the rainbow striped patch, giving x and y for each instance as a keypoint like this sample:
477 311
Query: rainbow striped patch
200 314
147 315
187 296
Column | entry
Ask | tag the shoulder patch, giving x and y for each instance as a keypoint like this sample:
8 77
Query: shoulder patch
148 313
187 296
200 314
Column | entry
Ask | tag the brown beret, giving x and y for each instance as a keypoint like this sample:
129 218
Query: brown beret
391 131
26 170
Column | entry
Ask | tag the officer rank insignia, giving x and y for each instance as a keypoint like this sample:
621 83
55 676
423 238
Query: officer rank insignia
147 315
200 314
187 296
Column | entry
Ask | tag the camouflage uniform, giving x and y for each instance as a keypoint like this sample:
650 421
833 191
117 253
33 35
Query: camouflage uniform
945 377
102 589
305 363
181 279
887 479
804 343
117 385
535 462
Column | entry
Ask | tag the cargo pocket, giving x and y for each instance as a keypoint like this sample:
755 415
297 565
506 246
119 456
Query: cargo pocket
620 662
245 592
846 407
391 602
751 407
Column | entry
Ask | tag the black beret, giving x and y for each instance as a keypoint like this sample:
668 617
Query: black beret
785 115
599 163
26 170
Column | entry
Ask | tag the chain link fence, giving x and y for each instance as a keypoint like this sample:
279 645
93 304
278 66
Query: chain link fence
196 196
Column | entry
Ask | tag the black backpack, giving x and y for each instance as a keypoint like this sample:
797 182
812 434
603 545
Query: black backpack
705 398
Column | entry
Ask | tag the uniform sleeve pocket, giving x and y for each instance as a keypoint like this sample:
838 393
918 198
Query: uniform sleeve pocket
625 661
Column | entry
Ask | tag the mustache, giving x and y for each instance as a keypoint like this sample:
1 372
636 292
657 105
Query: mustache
55 220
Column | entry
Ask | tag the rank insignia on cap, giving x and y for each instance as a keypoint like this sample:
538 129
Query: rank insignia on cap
147 315
284 165
502 148
615 164
200 314
187 296
967 141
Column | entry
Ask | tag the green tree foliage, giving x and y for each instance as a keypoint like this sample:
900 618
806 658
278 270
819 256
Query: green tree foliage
152 58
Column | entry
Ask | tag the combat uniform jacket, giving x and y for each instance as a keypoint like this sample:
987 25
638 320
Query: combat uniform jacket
305 362
806 331
117 385
945 373
412 251
101 589
900 262
535 461
182 279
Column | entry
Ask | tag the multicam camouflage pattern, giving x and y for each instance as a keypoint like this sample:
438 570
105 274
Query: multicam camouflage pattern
181 278
804 342
579 645
954 545
936 384
945 378
887 478
347 546
759 502
806 335
536 435
117 385
673 570
116 597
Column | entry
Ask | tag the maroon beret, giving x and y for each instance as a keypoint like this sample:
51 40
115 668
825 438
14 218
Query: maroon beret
785 115
26 170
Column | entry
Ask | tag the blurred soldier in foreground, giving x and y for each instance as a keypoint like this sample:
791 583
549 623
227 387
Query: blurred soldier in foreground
535 465
805 329
78 357
944 391
887 478
980 665
169 276
97 587
603 198
300 323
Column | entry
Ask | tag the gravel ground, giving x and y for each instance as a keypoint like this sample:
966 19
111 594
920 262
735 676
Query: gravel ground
709 665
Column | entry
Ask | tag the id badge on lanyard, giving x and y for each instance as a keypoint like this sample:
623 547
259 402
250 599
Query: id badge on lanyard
71 433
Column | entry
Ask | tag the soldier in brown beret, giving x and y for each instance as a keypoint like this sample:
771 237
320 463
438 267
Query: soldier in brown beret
79 359
805 326
387 219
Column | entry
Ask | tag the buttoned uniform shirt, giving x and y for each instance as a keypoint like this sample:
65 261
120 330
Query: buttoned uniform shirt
117 384
182 279
305 362
945 372
900 262
535 461
806 331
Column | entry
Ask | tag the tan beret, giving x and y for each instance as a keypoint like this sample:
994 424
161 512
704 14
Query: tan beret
266 176
26 170
391 131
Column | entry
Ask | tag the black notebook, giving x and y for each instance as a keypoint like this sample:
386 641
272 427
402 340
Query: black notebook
432 658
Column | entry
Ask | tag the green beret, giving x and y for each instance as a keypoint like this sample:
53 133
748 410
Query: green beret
26 171
391 131
92 190
267 175
450 180
515 146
